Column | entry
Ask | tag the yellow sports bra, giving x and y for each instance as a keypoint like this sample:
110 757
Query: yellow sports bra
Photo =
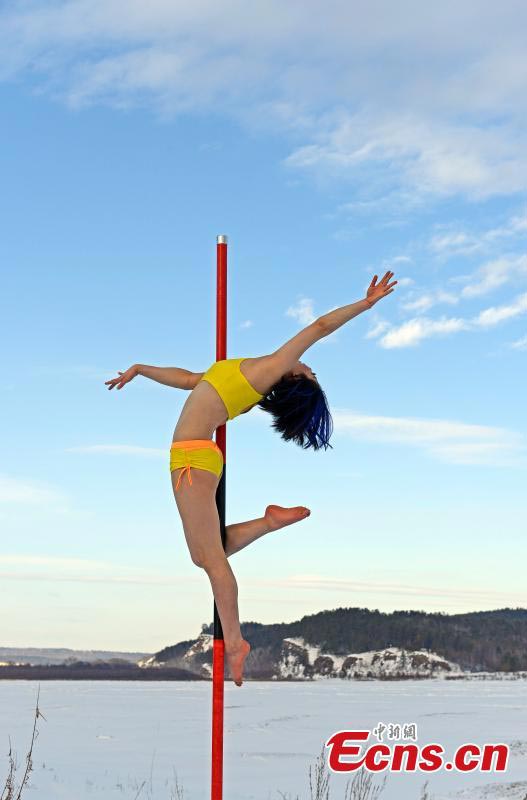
232 385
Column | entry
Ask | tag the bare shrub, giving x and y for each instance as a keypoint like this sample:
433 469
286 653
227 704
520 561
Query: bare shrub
10 790
425 794
361 787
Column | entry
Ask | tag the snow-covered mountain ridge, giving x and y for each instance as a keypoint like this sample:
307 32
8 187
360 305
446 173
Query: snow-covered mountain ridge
299 660
305 661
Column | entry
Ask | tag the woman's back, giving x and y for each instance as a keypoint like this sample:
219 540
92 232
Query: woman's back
225 390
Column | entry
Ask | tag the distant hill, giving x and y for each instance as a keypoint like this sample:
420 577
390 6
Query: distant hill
61 655
62 663
352 643
359 642
112 670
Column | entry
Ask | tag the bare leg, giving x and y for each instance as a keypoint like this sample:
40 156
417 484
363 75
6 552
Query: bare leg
240 534
197 507
225 590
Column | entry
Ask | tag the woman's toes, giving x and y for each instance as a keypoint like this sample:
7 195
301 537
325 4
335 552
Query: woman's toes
278 517
236 658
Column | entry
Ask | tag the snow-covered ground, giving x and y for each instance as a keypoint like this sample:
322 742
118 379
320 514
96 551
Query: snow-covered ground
102 739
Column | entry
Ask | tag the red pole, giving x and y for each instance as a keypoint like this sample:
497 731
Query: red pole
218 651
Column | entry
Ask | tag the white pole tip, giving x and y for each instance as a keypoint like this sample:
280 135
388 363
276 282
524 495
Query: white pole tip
221 239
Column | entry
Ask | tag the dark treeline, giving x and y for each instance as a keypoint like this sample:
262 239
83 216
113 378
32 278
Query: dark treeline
98 671
477 641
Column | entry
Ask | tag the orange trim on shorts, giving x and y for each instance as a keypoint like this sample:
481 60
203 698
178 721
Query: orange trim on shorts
195 444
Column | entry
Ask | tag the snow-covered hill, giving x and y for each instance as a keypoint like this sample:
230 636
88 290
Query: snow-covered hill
197 658
301 660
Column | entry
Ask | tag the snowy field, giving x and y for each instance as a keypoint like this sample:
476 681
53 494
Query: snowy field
104 739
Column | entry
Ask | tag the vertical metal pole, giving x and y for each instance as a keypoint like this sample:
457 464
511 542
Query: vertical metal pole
218 651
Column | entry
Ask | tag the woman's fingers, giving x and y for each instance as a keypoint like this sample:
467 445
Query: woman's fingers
383 283
114 381
111 383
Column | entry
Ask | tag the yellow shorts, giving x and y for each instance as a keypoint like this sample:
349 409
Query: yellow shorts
198 453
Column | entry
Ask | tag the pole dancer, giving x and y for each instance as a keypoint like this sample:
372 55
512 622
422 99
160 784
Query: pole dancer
280 384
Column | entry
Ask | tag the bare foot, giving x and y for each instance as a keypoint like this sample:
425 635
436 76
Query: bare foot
236 656
278 517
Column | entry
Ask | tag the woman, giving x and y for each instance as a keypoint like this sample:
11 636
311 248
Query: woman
278 383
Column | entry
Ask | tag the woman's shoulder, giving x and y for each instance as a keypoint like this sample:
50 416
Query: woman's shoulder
261 372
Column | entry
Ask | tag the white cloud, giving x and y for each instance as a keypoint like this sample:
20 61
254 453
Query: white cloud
445 440
518 224
430 157
450 122
413 331
392 264
390 207
520 344
494 274
303 311
378 328
248 323
455 243
24 560
122 575
15 490
425 300
487 278
492 316
118 449
81 570
325 583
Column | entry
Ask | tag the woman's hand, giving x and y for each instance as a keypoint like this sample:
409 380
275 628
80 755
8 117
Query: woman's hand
376 291
124 377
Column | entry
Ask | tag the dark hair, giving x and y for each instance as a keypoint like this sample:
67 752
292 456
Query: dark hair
301 412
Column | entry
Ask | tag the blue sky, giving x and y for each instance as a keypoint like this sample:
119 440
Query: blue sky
131 135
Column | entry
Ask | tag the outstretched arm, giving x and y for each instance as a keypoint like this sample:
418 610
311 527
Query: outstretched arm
169 376
286 356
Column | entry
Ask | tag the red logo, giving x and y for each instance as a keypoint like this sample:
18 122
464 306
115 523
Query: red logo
347 754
